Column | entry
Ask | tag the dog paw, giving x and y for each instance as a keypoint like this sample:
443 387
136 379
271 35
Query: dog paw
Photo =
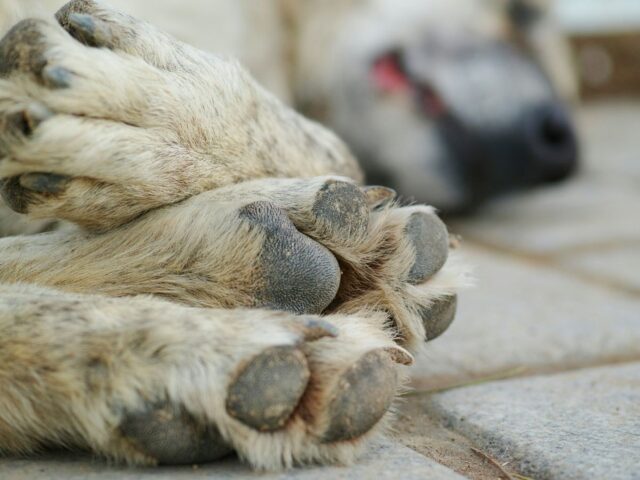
103 117
392 259
404 268
277 389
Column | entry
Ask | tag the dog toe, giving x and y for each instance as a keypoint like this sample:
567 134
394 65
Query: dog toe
363 395
438 316
342 209
172 437
430 240
267 391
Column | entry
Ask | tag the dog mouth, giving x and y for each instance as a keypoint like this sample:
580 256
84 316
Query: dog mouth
390 76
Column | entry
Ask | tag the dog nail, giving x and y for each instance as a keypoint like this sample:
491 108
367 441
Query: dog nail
57 77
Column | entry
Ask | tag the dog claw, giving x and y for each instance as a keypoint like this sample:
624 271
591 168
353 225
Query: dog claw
378 196
399 355
431 243
315 329
267 391
57 77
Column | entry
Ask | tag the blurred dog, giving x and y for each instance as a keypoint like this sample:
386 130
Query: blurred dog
451 102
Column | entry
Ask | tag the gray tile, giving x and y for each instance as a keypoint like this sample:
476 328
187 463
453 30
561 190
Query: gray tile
527 316
619 266
580 425
386 460
609 132
552 220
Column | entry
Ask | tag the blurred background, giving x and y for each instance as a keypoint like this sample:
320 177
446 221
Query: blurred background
606 39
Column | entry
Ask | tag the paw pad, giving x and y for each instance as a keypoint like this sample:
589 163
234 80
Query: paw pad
77 7
363 395
172 437
438 316
298 274
22 48
44 182
342 207
88 30
16 197
268 389
430 240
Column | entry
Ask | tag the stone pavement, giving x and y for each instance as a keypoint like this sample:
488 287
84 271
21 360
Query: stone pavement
382 462
540 373
582 424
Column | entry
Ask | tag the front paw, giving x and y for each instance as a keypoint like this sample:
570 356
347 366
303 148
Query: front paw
75 147
99 135
140 122
392 259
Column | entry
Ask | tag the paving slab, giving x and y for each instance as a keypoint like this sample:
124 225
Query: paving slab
619 266
385 460
609 132
580 425
525 317
555 220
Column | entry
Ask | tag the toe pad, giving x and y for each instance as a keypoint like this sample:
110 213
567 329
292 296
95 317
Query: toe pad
431 243
439 315
268 390
172 437
364 394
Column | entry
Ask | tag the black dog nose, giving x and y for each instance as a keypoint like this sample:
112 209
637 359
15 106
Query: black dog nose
552 142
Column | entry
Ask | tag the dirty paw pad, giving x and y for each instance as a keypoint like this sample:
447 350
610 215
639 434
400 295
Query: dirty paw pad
173 437
363 395
342 209
268 389
430 240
